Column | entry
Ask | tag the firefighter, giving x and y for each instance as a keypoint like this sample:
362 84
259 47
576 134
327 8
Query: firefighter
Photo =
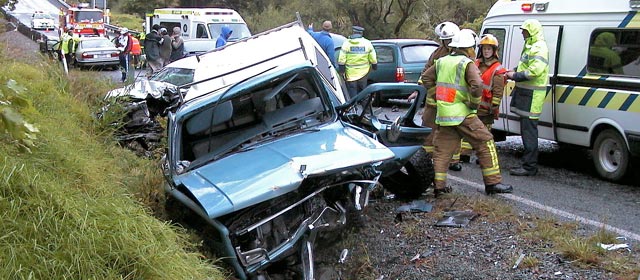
457 96
445 31
493 79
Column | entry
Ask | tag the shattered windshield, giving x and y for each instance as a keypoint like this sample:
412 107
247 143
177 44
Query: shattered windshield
173 75
286 105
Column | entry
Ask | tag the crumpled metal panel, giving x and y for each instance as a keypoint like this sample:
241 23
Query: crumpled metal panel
247 178
456 218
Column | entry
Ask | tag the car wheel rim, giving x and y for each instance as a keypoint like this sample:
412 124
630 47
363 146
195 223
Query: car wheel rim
610 155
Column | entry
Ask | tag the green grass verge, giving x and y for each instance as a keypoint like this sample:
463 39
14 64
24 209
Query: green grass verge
79 206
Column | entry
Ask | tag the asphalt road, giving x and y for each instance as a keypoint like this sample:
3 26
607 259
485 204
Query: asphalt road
566 186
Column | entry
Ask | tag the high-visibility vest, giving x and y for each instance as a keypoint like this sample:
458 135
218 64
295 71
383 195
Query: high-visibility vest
136 49
66 38
357 55
452 90
487 98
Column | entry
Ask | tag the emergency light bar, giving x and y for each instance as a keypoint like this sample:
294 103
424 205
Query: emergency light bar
634 4
526 7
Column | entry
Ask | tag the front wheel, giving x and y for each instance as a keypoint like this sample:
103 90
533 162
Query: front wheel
413 179
610 155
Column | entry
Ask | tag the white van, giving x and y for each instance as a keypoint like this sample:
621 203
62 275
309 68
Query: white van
199 22
590 102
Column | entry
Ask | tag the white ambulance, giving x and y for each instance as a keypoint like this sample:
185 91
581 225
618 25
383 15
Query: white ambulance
593 98
199 22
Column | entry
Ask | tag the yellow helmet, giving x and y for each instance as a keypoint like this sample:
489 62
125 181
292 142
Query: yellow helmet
488 39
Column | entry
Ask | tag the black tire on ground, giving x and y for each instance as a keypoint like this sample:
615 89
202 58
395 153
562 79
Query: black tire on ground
378 101
413 179
610 155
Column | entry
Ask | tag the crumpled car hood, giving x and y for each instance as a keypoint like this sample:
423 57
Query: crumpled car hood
251 177
141 89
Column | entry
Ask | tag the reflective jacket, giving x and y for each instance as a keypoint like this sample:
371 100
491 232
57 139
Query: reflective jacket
136 49
532 74
492 74
357 55
602 58
452 91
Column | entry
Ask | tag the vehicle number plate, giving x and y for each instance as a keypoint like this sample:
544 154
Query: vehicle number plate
104 56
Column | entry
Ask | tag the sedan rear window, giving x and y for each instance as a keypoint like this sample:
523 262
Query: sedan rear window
417 53
97 44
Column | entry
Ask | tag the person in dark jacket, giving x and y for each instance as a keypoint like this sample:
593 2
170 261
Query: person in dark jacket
165 47
152 43
177 45
325 41
225 33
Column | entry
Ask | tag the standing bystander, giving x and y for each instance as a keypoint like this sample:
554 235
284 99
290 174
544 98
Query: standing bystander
177 45
325 41
531 77
123 43
225 33
151 44
165 47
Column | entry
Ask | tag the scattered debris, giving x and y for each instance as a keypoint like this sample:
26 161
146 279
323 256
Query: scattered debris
343 255
415 206
558 273
613 247
456 218
417 256
380 278
519 261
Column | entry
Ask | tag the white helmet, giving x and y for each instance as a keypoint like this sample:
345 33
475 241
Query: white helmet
447 30
124 30
466 38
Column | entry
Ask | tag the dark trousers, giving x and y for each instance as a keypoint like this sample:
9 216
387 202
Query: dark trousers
354 87
124 66
529 132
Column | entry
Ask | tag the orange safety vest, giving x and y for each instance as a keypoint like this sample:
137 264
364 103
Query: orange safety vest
135 46
487 84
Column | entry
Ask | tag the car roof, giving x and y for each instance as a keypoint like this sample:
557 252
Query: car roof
404 42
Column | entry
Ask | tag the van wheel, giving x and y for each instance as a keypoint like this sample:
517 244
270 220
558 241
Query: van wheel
610 155
413 179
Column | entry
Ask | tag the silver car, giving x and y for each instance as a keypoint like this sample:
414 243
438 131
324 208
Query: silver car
96 51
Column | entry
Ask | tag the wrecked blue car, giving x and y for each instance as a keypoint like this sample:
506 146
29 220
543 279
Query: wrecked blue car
270 156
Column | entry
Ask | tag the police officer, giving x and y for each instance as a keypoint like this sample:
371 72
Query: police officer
457 95
357 57
531 77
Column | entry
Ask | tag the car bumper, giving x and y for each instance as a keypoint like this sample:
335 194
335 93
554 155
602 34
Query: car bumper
98 62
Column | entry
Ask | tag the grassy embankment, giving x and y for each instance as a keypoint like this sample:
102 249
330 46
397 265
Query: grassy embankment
78 206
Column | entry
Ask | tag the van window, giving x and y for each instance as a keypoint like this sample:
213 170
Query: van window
169 26
238 30
614 51
384 54
500 34
201 31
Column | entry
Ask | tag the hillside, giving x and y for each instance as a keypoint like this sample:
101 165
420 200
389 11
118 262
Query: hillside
77 206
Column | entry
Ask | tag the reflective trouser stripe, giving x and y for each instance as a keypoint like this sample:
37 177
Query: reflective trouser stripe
494 169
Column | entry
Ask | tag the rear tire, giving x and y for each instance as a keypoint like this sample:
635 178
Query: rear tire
610 155
415 177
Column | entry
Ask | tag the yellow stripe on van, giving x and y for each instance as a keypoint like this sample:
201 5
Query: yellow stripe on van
597 98
633 22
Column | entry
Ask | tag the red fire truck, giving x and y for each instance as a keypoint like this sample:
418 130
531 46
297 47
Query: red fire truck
82 19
